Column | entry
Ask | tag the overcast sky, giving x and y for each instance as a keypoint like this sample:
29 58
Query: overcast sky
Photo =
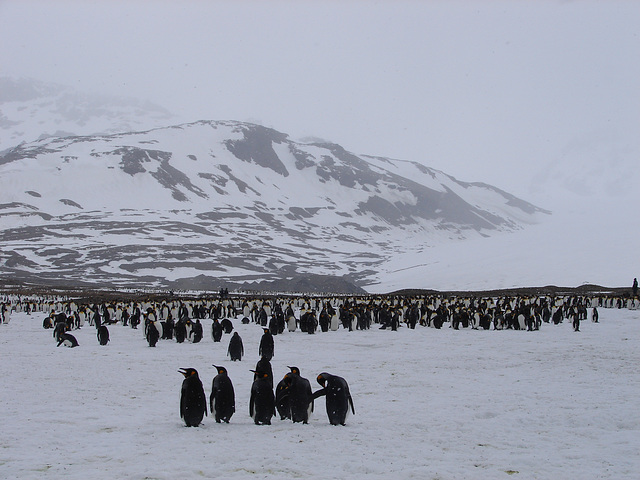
503 92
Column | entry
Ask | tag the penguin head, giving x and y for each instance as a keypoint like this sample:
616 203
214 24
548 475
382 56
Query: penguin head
294 370
266 330
322 378
260 374
221 370
188 372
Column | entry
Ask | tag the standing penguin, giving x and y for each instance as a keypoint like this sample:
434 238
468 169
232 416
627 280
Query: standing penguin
103 335
196 331
338 398
152 334
283 404
300 396
266 348
222 401
193 403
576 322
264 365
216 330
262 405
236 349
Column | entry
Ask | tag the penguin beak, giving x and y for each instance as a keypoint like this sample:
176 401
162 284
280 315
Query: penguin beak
183 371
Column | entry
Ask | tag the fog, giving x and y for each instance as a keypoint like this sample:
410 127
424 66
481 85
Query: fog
503 92
539 98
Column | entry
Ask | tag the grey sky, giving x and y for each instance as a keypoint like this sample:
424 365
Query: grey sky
505 92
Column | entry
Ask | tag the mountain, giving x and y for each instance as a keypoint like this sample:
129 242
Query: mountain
31 109
222 203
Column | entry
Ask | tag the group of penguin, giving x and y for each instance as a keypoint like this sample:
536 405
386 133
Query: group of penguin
293 398
61 324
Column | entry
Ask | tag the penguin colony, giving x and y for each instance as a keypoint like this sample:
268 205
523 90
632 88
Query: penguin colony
293 398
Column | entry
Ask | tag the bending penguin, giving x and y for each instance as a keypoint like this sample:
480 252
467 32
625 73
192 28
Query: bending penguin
193 403
222 401
338 398
67 340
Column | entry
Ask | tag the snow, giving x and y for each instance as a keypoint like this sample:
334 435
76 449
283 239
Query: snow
430 404
584 241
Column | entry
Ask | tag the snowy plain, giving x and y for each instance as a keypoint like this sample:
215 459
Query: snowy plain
430 404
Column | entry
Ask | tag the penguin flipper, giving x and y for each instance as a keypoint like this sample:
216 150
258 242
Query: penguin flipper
318 393
352 407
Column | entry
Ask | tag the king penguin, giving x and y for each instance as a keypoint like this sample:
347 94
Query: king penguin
103 335
262 405
193 403
300 395
222 402
338 398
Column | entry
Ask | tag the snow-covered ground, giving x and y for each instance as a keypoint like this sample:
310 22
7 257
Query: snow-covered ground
585 241
430 404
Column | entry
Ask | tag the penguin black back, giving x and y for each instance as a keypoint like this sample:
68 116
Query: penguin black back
283 405
67 340
236 349
262 401
264 366
193 403
300 395
266 347
222 401
153 335
227 325
216 330
103 335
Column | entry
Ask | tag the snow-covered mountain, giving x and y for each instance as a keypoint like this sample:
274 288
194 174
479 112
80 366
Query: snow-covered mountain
211 203
31 109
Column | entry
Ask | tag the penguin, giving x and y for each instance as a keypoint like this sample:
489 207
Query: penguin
291 323
180 331
193 403
266 347
264 365
188 325
153 335
103 335
222 401
196 331
300 395
67 340
167 327
334 322
338 398
216 330
283 404
59 329
236 349
227 325
262 405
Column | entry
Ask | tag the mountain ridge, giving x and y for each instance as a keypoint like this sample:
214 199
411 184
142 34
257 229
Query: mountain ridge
120 194
232 200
